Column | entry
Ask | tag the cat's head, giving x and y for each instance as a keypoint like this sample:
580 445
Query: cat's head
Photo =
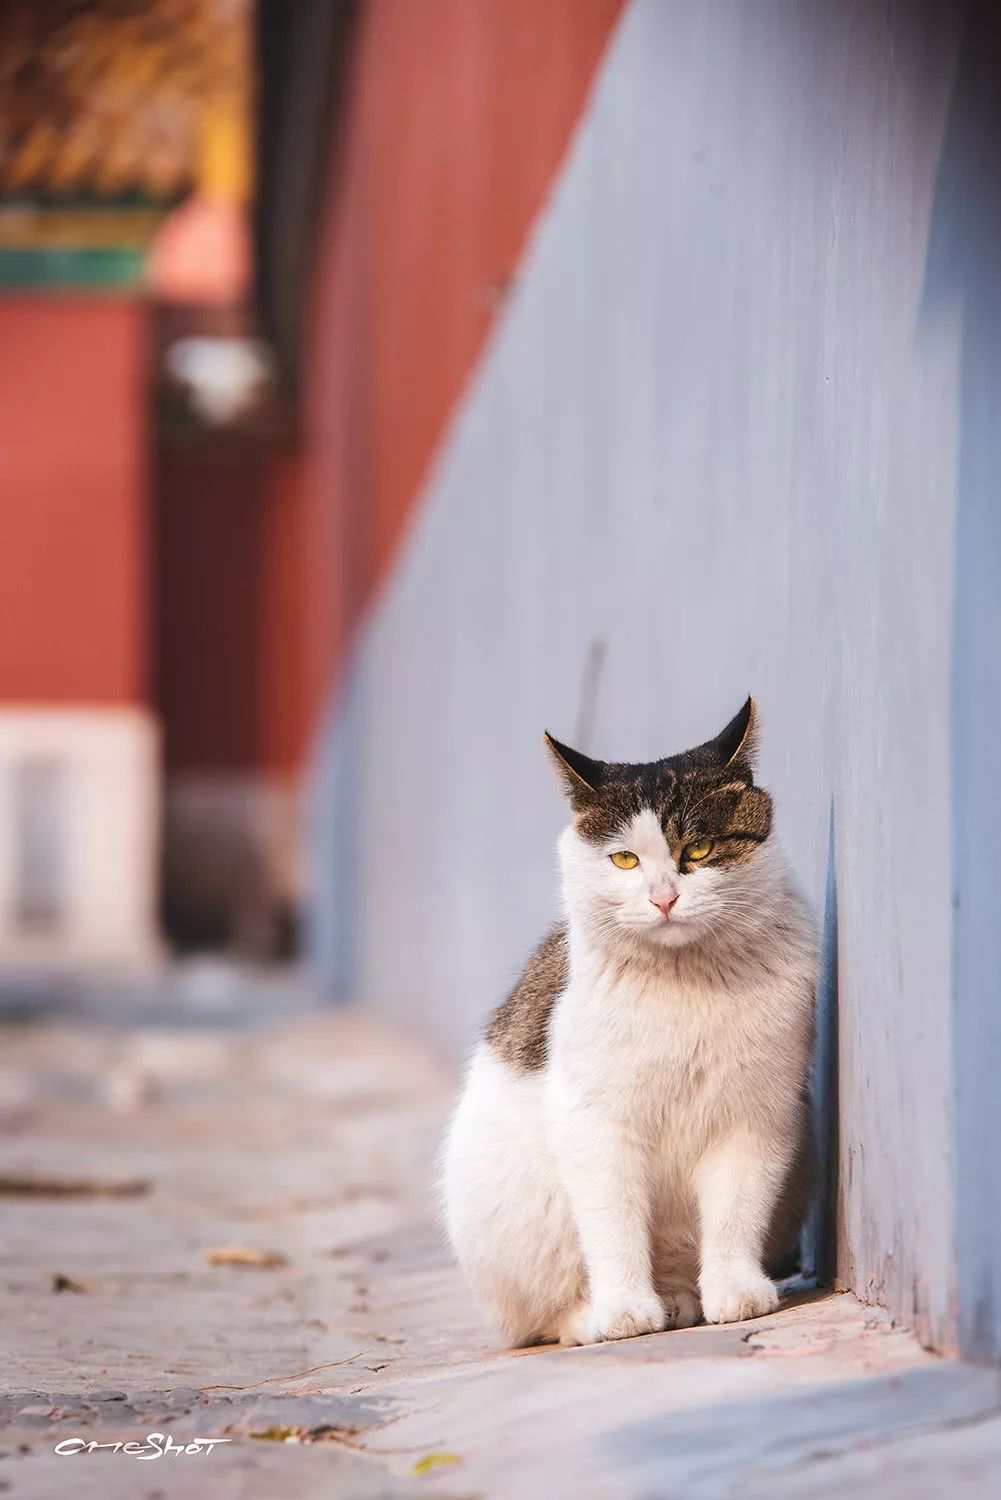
672 851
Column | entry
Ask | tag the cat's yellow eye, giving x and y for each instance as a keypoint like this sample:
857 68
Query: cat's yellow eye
701 849
625 859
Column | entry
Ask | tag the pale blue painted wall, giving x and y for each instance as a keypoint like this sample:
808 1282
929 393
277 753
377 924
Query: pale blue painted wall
723 432
964 268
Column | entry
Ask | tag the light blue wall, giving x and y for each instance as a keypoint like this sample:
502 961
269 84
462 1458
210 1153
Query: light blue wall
964 267
718 447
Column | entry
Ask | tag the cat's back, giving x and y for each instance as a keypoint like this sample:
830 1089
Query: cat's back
518 1030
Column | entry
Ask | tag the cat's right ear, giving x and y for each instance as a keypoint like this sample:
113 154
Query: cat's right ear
581 776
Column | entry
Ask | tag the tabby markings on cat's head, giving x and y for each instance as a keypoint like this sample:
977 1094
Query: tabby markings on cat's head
669 850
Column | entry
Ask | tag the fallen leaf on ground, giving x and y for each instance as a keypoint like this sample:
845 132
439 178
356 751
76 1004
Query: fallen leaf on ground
30 1186
242 1255
325 1433
353 1192
282 1206
432 1461
61 1283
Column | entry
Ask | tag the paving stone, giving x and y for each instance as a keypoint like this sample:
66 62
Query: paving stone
183 1396
317 1139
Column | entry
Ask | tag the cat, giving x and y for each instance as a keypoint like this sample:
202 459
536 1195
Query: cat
632 1150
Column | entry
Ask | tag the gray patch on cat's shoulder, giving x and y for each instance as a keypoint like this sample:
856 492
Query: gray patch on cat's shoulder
518 1030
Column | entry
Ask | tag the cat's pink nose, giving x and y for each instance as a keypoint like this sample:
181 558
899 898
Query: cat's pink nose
664 903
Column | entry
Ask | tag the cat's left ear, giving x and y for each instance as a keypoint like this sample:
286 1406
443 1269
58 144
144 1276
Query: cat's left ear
737 744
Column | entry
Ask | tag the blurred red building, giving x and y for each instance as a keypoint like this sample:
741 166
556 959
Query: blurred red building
208 457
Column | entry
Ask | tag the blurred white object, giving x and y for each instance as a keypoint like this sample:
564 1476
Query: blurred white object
224 375
79 820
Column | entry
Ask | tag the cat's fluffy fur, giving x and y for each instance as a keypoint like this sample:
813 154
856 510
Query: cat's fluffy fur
631 1150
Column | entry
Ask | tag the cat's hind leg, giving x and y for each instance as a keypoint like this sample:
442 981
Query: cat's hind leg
531 1302
507 1212
584 1324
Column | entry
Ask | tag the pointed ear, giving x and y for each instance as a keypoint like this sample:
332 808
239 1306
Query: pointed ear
738 742
580 774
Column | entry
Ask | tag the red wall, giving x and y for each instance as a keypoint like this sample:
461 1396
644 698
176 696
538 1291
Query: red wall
230 637
72 500
457 116
458 113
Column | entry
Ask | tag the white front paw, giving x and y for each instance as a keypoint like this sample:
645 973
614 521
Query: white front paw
732 1294
624 1315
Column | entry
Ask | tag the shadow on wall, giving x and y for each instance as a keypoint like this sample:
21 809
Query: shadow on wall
820 1235
964 265
336 844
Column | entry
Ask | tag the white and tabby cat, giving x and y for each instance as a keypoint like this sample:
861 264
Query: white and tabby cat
632 1147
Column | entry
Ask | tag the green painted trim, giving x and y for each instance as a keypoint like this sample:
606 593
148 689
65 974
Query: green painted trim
58 267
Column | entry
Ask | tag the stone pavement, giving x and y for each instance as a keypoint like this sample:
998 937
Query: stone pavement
138 1165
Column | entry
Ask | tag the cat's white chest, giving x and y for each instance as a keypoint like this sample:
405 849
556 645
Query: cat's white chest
674 1068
